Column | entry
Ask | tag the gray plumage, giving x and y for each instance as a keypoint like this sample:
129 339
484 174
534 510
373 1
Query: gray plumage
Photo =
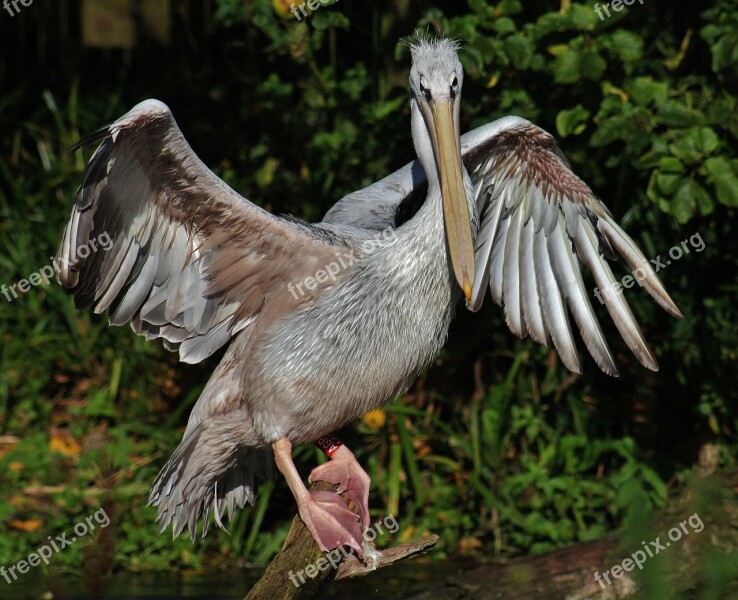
195 264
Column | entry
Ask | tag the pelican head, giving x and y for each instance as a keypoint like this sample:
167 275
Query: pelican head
436 78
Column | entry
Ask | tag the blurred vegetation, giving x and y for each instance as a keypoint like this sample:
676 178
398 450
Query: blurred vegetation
497 448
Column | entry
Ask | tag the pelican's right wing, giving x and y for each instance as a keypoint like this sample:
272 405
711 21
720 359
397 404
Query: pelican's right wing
155 238
538 223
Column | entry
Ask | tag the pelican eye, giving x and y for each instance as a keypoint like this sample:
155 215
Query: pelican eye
425 90
454 85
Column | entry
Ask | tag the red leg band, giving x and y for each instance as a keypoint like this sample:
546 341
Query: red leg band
329 444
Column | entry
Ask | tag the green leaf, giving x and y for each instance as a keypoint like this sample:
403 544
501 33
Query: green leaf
674 114
686 151
705 139
504 26
609 130
704 200
669 164
567 67
724 179
645 90
711 32
668 183
593 66
384 109
552 22
695 145
651 477
628 45
583 17
509 7
651 160
684 202
724 53
520 51
572 121
720 110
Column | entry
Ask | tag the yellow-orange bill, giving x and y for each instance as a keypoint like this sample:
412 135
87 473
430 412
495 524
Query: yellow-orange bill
455 207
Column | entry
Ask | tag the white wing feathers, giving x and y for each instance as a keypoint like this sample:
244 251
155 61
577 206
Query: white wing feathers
539 221
157 239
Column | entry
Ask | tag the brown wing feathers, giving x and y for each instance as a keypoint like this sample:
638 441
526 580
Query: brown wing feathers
538 223
188 259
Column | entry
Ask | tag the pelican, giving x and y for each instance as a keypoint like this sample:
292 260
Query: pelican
327 321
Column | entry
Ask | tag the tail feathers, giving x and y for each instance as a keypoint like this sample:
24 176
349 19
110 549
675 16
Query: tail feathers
210 470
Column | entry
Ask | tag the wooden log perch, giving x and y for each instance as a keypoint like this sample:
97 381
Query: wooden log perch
296 573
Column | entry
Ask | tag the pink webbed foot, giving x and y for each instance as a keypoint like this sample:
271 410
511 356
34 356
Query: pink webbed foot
344 470
331 522
326 515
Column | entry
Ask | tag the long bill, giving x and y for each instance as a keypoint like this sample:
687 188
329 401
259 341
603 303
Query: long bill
444 133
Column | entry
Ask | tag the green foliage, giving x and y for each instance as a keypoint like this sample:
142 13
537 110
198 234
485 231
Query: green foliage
497 449
681 128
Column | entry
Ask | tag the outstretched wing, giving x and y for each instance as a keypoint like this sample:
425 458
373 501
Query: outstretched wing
157 239
538 223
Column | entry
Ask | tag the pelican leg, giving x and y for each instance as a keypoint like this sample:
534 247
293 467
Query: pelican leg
325 514
345 471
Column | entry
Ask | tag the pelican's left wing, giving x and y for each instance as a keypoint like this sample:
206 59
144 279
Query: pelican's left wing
538 222
385 203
